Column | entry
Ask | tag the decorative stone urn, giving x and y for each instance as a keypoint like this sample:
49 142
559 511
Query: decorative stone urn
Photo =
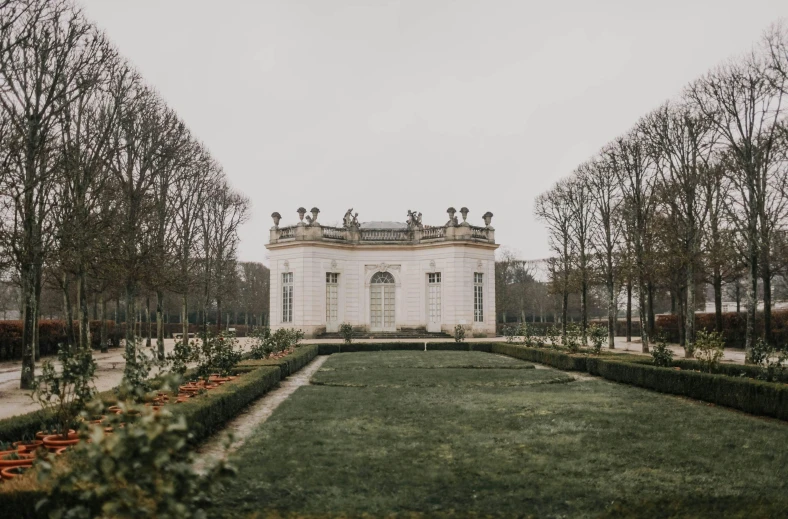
301 212
487 218
315 211
277 218
464 212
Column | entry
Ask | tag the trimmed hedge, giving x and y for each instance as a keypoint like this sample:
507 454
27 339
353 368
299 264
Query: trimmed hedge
208 412
731 370
356 347
288 364
745 394
26 425
553 358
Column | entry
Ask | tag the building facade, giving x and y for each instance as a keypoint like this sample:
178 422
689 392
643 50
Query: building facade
383 277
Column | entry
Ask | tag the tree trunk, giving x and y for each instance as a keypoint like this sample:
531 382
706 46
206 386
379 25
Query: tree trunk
629 310
185 319
131 345
651 319
584 311
643 312
28 326
612 313
103 320
767 301
160 324
82 305
689 315
717 283
37 327
67 310
148 321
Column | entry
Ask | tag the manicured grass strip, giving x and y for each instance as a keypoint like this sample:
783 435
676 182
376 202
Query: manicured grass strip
745 394
328 349
429 360
438 378
578 449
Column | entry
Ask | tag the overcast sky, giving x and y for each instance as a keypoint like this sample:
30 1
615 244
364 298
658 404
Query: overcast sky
389 106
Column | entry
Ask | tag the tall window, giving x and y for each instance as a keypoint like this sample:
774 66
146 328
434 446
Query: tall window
478 297
332 285
287 297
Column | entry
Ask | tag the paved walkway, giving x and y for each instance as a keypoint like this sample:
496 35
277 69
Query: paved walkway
109 372
242 426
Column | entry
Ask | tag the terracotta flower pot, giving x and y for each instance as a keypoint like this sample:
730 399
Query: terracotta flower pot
60 451
28 446
40 435
22 459
12 472
56 441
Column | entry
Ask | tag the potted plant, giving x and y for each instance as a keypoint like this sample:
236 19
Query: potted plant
65 392
12 472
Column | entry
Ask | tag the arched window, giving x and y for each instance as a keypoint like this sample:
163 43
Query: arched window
382 277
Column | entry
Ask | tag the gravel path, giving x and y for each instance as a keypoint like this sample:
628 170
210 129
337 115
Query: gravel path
242 426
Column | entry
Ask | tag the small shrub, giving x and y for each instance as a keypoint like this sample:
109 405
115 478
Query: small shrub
65 392
598 336
139 471
528 334
182 354
511 333
136 382
709 349
766 357
459 333
218 354
346 330
661 354
263 345
571 339
551 334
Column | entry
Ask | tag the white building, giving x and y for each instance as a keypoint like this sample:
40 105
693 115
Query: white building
383 276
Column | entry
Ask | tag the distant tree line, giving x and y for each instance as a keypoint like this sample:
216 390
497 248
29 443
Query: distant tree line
104 192
693 193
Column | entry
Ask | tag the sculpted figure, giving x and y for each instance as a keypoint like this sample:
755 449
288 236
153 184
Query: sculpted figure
347 220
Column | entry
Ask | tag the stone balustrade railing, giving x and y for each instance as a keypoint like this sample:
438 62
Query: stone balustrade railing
358 235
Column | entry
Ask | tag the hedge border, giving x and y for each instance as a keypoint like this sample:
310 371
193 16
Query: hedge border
288 364
724 368
15 427
745 394
360 347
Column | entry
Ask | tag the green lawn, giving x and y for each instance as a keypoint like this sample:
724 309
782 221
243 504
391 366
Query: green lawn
458 433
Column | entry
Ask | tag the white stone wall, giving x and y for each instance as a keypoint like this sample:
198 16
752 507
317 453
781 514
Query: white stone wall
310 261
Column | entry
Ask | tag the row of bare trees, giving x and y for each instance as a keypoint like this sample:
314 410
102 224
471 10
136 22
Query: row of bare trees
694 193
103 185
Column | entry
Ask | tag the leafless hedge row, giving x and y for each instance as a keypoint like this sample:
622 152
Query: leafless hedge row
694 192
102 183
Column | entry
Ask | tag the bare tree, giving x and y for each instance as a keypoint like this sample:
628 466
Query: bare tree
633 166
745 106
552 208
46 45
606 236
